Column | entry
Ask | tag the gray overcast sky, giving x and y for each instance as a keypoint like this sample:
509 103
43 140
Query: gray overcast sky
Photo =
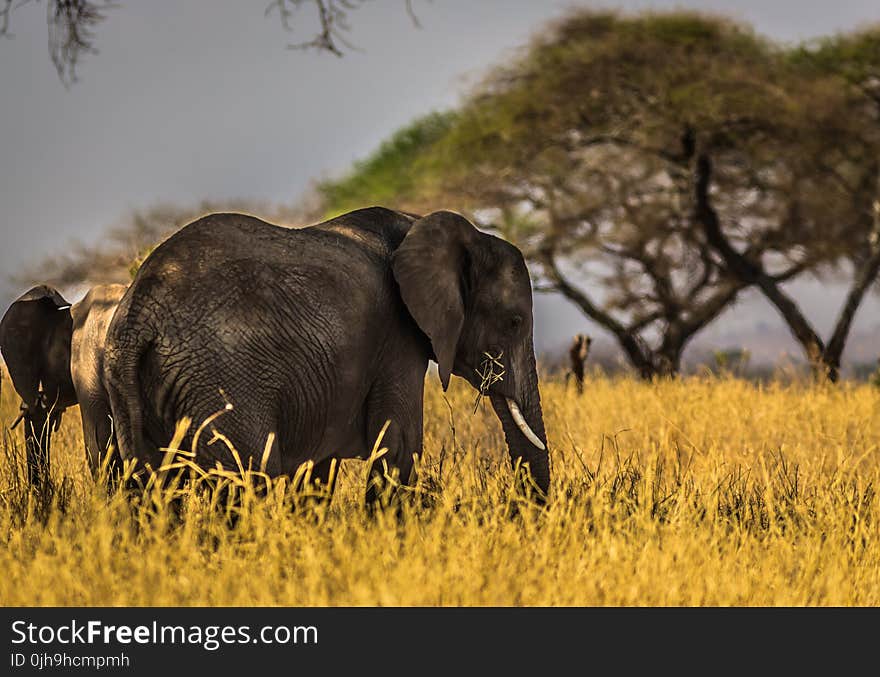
200 99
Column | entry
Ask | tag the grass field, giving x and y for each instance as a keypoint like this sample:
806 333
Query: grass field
692 492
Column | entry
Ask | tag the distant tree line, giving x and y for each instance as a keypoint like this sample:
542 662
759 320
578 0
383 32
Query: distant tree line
652 167
116 257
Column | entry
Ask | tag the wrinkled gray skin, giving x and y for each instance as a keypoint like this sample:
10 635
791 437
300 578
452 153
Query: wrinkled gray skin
55 356
318 335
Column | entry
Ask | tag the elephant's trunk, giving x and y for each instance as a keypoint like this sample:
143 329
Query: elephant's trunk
523 425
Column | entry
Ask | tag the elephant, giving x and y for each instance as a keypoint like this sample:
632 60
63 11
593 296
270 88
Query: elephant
309 340
54 352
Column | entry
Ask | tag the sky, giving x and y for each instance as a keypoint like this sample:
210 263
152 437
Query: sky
201 100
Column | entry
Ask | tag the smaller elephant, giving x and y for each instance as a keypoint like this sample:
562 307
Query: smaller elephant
54 352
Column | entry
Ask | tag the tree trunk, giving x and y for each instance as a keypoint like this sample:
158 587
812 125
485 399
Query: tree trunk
862 282
751 272
667 362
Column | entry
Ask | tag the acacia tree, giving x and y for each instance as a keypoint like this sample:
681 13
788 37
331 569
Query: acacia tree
851 160
593 152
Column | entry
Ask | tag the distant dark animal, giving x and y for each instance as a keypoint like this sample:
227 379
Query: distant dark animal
577 357
55 354
318 336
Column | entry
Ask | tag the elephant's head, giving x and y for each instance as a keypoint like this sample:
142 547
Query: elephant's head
35 335
470 294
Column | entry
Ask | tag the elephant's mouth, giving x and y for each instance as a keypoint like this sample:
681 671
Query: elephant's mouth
489 377
489 380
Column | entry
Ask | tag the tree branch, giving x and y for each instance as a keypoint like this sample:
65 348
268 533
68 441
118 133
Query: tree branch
748 271
627 339
71 23
863 279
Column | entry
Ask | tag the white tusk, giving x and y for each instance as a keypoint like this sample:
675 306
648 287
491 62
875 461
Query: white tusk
523 426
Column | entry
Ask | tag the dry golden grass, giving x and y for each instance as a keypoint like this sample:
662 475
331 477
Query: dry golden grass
693 492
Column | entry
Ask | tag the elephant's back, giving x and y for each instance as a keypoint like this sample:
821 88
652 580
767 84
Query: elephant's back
199 247
243 291
226 254
203 246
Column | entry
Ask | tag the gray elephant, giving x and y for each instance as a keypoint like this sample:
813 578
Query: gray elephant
55 356
318 336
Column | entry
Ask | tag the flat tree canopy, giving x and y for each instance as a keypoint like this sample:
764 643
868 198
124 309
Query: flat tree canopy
653 166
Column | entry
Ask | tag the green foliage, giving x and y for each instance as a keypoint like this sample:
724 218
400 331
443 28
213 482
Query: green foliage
855 56
606 82
390 174
651 73
139 260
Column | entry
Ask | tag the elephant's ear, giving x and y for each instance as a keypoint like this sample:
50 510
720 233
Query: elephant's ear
35 335
429 266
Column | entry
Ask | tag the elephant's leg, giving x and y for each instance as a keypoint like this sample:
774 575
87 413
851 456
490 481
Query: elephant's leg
38 433
397 411
97 427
